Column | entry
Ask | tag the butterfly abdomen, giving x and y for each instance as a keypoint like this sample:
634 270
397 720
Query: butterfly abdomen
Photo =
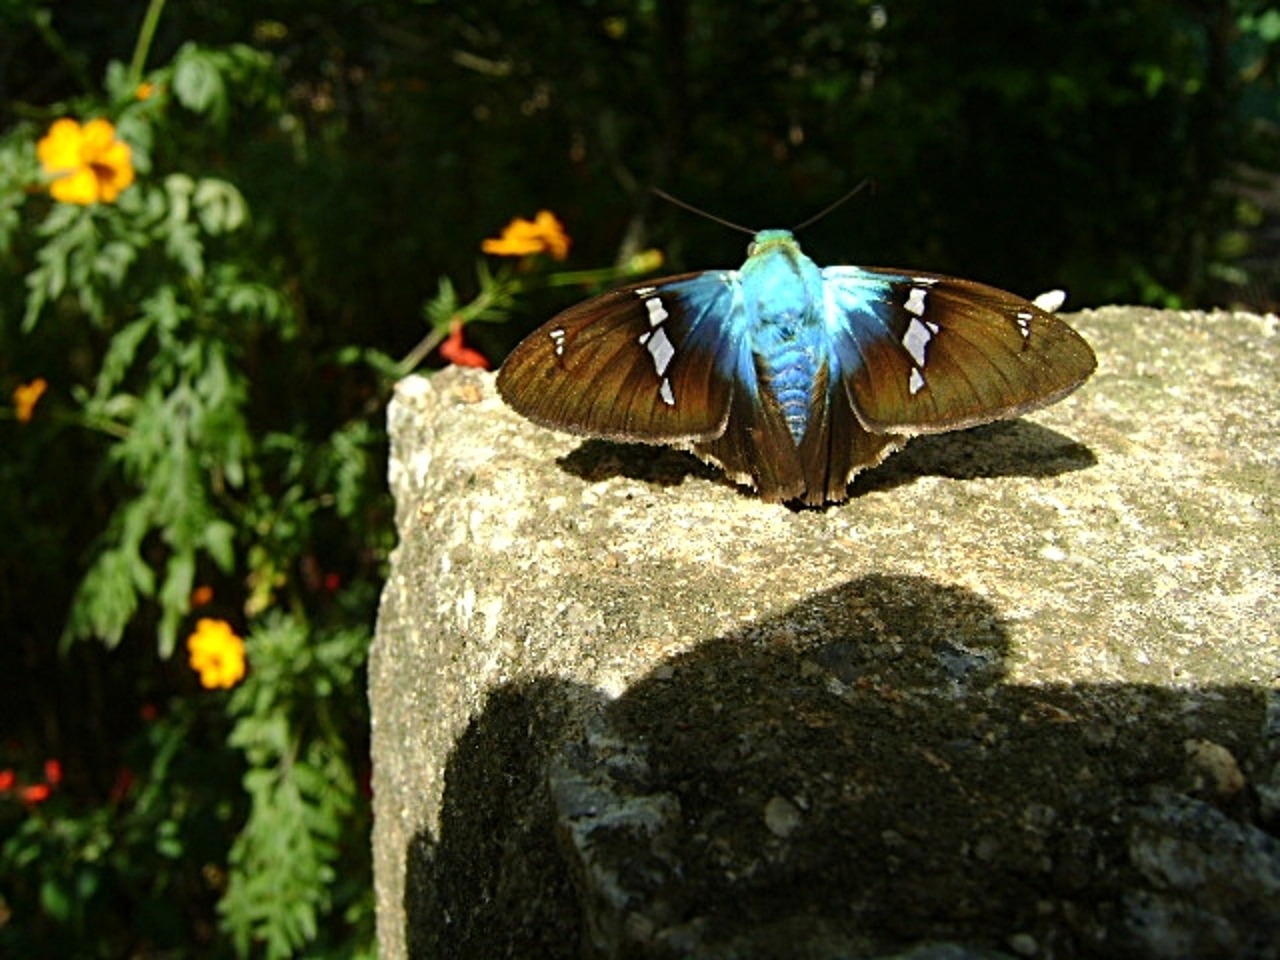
791 371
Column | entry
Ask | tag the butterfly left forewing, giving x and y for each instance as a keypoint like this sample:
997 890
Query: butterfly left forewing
641 363
922 353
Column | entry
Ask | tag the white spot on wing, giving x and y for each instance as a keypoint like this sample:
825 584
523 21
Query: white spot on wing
915 301
1023 319
657 312
668 397
917 338
915 383
557 340
660 349
645 291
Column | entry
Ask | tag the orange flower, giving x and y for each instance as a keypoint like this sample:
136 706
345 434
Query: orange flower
521 238
87 164
26 396
216 653
458 353
202 596
146 90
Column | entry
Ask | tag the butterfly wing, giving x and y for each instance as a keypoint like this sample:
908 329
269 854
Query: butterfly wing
923 353
648 362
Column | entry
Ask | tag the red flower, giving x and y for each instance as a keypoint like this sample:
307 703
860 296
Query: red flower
36 793
458 353
7 779
53 772
122 785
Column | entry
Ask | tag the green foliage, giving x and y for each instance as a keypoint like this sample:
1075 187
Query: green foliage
169 306
290 721
141 271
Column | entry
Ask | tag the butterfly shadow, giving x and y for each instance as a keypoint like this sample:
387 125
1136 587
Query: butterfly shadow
597 460
1006 448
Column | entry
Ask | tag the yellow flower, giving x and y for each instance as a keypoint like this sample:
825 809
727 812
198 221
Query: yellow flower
217 654
645 261
543 234
88 164
26 396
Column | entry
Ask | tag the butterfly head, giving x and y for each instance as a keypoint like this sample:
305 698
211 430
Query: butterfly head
767 241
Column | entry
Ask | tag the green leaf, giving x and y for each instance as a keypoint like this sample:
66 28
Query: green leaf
175 598
220 207
120 355
117 82
113 261
220 542
182 237
56 899
197 82
108 595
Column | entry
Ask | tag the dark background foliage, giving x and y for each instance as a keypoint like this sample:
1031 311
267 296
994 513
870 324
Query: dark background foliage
1124 151
1061 142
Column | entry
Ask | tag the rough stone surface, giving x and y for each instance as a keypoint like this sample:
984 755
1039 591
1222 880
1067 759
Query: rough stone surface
1016 698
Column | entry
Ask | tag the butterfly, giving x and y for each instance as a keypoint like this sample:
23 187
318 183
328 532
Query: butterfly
789 376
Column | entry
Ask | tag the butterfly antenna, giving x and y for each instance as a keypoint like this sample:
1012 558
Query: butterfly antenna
832 206
703 213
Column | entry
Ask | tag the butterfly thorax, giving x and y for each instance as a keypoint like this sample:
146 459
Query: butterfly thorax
784 322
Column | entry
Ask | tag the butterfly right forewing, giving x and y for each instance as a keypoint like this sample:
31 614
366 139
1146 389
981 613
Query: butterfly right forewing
648 362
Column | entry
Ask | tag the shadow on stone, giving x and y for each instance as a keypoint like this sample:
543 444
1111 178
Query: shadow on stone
1006 448
599 460
850 778
494 884
1002 449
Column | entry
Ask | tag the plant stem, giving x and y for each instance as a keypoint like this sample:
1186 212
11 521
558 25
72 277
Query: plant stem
419 353
146 34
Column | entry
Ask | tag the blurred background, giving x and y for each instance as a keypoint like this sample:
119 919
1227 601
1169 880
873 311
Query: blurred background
312 186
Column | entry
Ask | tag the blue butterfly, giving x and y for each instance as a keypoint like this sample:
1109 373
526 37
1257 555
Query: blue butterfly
789 376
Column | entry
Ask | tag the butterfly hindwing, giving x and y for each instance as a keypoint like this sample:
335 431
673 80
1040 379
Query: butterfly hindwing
646 362
836 445
756 447
922 353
